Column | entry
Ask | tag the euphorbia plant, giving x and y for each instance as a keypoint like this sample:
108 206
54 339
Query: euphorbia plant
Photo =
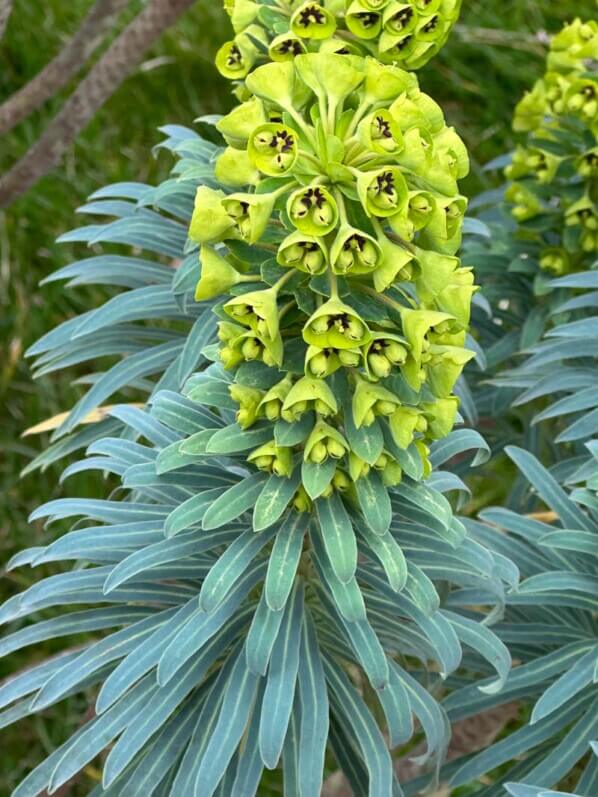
282 579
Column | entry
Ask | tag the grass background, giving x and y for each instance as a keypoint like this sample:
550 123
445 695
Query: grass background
494 55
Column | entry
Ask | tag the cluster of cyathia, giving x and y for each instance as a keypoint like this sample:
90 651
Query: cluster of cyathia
556 170
408 33
352 218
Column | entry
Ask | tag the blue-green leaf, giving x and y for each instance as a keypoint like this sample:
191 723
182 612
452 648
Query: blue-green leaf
374 502
282 675
274 499
284 559
338 536
234 502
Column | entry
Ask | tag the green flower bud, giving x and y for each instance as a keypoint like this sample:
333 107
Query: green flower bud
380 133
555 260
253 345
301 501
349 358
335 325
210 222
575 43
304 252
273 459
229 335
340 481
321 362
379 366
239 124
452 152
217 276
363 23
285 47
444 228
445 368
392 474
251 308
313 210
582 212
249 214
526 203
252 348
273 149
384 352
318 453
313 21
381 462
272 403
354 252
529 112
424 455
587 165
357 467
306 394
370 400
441 416
249 400
403 423
383 192
582 99
420 208
234 168
324 441
589 241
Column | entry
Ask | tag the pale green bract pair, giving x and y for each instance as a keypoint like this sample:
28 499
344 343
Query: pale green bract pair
351 200
409 33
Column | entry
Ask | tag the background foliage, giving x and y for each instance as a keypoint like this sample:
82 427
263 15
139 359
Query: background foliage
477 79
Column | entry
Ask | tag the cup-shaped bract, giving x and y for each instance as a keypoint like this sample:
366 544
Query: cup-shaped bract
313 21
273 149
336 325
313 210
217 275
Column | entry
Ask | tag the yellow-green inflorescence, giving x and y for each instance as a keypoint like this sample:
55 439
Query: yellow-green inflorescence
554 191
344 307
406 33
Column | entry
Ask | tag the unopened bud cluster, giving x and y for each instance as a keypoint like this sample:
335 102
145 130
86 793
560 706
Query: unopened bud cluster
555 172
407 33
347 309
